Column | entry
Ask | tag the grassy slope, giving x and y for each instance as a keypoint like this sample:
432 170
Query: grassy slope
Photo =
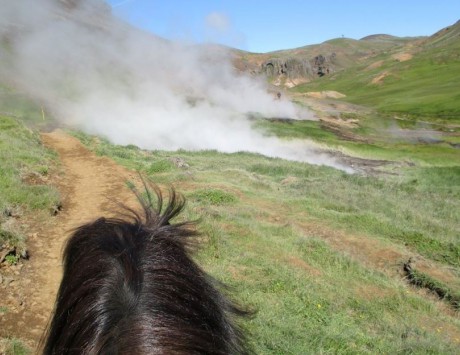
22 155
16 104
374 129
426 85
347 51
265 238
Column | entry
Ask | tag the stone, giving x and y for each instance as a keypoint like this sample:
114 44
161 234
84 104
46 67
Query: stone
180 163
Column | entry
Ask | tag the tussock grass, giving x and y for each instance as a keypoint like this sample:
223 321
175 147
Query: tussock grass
213 197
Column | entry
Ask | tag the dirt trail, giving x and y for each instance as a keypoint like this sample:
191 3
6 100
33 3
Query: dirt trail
88 184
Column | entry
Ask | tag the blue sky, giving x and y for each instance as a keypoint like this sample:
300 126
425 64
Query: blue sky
262 26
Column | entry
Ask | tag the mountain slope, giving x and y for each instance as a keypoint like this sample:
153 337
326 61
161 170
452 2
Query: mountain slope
335 55
419 78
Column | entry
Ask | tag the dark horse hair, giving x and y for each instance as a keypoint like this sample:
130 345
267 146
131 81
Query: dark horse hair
130 287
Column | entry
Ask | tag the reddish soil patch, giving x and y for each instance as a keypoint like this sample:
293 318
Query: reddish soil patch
379 78
375 65
402 57
371 292
301 264
325 94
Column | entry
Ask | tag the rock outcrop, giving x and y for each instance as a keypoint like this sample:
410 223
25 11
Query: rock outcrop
296 68
290 67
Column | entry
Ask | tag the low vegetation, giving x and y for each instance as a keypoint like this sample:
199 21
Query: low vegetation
274 231
25 165
13 347
376 136
15 104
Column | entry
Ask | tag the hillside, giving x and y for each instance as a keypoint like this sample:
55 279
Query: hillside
308 63
410 76
417 79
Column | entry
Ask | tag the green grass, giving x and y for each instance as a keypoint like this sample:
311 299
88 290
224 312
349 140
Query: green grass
13 347
426 85
16 104
309 296
213 197
377 141
21 154
296 129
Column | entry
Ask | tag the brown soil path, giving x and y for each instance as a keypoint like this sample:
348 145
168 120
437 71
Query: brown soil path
88 188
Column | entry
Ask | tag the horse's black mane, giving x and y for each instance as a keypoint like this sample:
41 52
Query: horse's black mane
130 287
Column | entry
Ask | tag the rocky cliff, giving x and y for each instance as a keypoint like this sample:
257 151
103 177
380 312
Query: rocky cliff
290 69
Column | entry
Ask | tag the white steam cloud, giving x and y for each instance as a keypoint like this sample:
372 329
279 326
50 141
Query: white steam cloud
218 21
100 75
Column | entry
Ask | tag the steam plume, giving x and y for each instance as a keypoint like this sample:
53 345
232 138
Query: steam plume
102 76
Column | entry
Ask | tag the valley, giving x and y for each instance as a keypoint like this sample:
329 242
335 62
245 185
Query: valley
355 250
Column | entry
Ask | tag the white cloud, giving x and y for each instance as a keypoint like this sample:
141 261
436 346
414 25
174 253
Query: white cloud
218 21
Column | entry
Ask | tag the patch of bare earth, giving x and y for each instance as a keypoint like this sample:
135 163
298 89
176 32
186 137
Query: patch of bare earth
325 94
372 292
339 122
402 57
301 264
379 78
375 65
291 82
88 186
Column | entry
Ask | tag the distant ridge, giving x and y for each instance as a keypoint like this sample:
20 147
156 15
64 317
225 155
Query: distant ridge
377 37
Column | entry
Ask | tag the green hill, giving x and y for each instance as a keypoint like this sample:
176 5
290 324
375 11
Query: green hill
329 57
420 78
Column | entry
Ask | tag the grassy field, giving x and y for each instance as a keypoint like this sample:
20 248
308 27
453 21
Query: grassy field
287 237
